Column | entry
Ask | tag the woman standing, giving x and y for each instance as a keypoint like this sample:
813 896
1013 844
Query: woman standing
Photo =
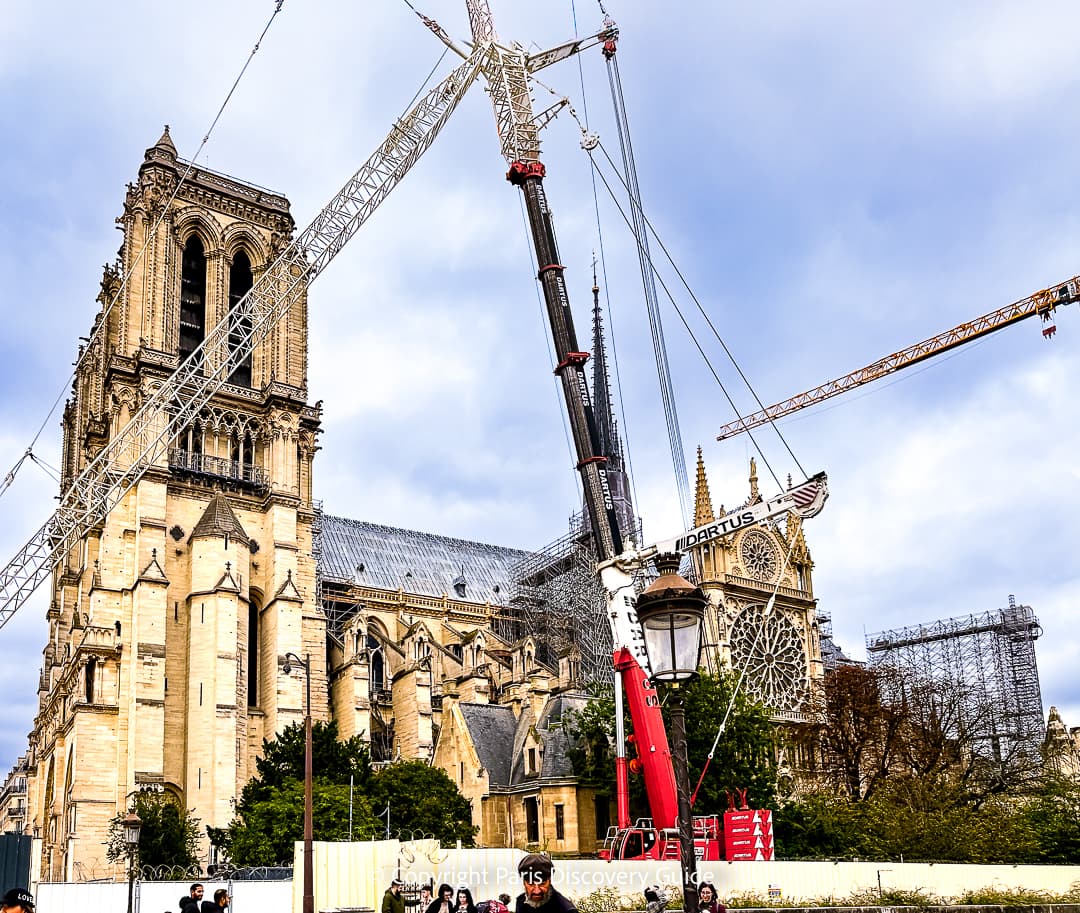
444 903
708 902
464 901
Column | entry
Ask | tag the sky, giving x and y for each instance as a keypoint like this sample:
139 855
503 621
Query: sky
836 181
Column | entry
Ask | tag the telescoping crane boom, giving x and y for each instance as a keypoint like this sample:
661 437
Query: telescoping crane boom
1041 303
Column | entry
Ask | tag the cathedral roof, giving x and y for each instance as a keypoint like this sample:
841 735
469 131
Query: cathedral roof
219 520
390 558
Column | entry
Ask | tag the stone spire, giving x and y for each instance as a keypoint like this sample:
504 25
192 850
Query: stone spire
703 509
754 494
163 148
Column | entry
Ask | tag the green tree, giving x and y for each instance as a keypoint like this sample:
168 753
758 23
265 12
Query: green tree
265 830
423 800
745 755
169 835
269 814
1053 815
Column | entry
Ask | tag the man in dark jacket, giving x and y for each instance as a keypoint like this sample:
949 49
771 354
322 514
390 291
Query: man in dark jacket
192 899
539 895
392 901
218 905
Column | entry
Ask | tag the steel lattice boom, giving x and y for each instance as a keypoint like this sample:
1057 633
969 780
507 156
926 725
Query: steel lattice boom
1042 303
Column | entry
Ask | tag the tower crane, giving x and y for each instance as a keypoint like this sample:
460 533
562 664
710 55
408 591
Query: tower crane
1042 303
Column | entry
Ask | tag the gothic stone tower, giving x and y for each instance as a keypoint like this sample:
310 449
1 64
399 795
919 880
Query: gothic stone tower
168 624
780 649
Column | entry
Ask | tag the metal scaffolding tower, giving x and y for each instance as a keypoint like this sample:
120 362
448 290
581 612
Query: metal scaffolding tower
990 659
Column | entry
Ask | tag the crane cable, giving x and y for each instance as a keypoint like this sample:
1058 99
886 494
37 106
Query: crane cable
648 282
689 330
101 323
769 607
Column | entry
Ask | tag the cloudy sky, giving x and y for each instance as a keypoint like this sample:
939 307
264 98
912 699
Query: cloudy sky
836 180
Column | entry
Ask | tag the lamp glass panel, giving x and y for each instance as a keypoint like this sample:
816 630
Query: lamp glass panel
673 641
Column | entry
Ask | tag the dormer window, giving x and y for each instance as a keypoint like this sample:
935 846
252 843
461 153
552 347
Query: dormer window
530 763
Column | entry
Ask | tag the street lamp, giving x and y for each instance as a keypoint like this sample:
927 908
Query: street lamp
671 611
309 873
131 824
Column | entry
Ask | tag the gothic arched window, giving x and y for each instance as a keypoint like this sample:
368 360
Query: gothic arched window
240 282
192 297
377 675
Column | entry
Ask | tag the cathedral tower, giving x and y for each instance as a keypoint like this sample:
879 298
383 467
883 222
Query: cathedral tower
780 647
168 624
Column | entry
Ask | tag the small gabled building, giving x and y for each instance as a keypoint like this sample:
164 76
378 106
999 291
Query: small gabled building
511 760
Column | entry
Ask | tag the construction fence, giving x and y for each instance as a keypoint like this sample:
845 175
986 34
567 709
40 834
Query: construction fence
350 876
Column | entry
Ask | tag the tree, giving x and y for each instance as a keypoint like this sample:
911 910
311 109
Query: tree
269 814
169 836
423 800
858 732
746 752
265 830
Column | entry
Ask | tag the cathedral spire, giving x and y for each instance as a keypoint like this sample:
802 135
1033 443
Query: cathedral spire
601 382
607 431
754 494
703 509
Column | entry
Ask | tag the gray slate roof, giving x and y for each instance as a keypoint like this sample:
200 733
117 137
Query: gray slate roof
498 738
491 727
420 563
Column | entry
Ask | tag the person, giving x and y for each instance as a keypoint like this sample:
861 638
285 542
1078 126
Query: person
192 899
500 905
655 899
392 901
708 902
464 901
219 903
539 895
425 896
17 900
444 903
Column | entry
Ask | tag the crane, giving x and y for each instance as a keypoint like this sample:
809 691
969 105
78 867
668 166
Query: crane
1042 303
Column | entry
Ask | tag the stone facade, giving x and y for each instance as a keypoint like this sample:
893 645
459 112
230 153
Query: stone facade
779 647
13 799
1061 749
169 622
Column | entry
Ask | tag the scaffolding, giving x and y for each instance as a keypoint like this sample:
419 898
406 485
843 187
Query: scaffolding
556 597
988 660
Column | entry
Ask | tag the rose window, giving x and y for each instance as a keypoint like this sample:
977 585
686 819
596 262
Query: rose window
758 555
771 650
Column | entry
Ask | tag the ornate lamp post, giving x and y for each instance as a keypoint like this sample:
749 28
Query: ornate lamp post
671 611
132 824
309 872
